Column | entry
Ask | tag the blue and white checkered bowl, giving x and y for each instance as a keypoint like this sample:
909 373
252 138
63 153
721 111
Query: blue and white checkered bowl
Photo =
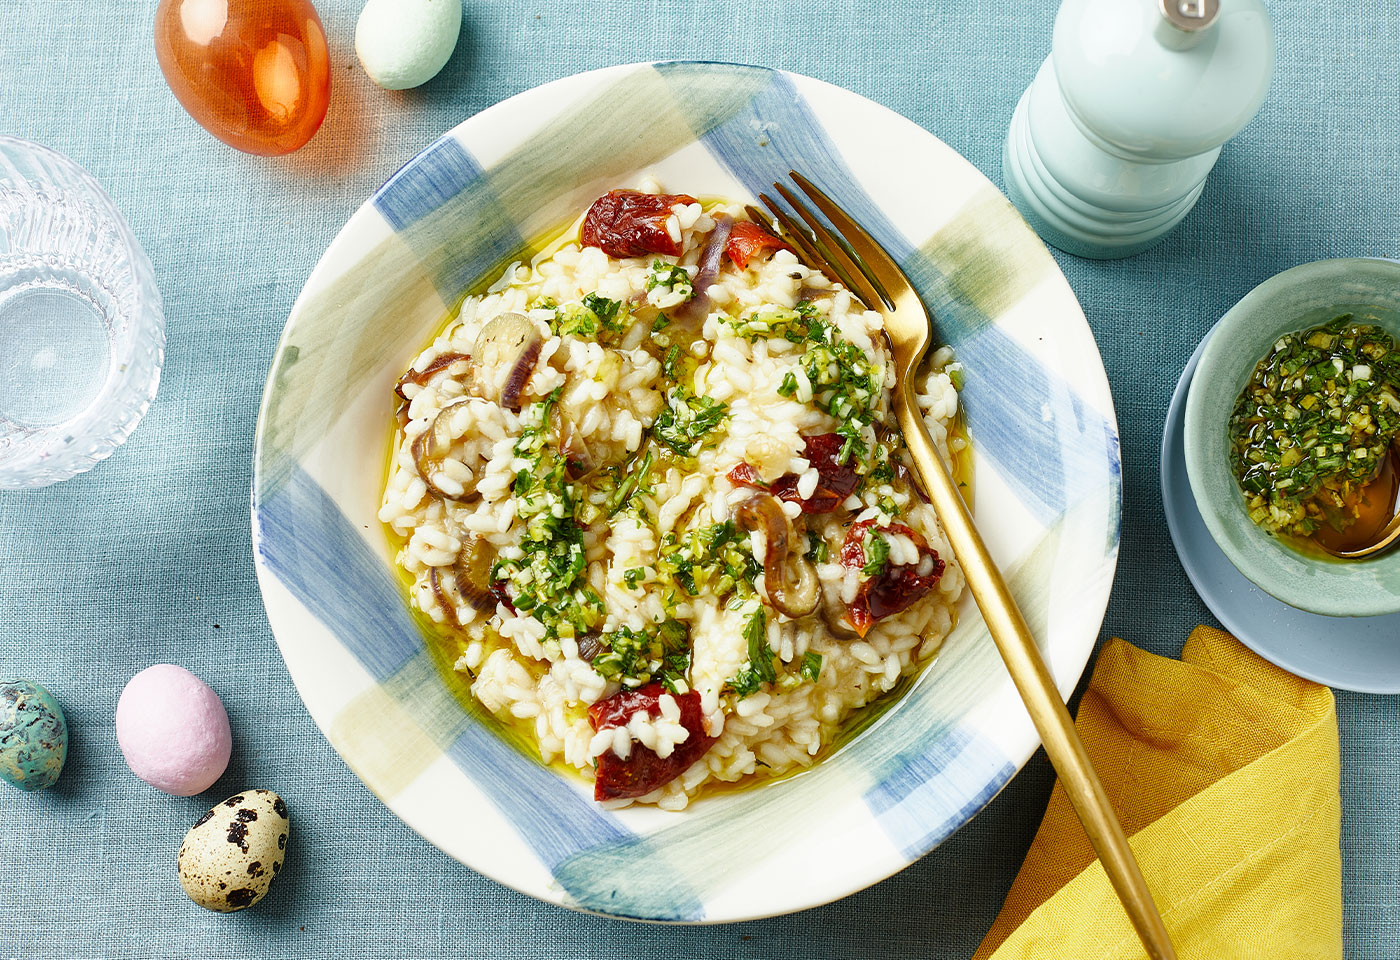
1047 490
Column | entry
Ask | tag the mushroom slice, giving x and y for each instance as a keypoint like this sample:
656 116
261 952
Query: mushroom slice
508 343
834 614
796 595
421 377
473 573
431 447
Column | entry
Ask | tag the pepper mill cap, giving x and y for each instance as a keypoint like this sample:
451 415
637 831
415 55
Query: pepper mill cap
1161 80
1192 16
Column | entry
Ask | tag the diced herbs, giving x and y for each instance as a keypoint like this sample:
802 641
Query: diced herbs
846 382
587 317
758 670
877 555
1312 427
633 576
714 559
550 581
686 420
669 363
811 666
634 479
817 550
634 657
668 285
609 312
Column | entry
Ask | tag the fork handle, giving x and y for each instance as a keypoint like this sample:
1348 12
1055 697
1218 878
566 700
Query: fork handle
1032 678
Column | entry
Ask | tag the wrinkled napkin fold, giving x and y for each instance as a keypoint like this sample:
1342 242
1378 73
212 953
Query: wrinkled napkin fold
1224 770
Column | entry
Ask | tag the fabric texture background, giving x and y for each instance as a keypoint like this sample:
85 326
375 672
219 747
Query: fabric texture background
147 558
1226 771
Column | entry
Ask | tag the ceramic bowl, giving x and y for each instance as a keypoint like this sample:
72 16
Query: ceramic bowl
1047 490
1294 300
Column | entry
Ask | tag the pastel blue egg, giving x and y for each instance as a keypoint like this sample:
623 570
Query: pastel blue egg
33 735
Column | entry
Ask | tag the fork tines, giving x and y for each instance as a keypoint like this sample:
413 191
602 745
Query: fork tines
834 252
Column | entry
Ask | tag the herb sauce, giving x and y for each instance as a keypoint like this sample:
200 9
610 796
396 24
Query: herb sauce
1311 434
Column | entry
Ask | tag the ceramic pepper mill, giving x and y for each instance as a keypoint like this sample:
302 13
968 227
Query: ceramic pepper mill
1110 145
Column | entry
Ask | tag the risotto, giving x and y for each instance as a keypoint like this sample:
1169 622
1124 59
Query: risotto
652 485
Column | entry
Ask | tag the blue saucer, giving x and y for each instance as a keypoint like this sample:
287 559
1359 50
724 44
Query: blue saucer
1350 653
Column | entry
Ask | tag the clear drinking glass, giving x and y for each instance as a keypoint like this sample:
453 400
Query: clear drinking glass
82 335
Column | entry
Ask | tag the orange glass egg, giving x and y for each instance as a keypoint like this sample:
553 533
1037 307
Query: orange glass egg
254 73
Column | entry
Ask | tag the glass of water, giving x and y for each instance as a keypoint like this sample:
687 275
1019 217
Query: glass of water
82 335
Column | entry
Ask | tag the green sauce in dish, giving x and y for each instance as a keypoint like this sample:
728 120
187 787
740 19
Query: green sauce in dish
1314 426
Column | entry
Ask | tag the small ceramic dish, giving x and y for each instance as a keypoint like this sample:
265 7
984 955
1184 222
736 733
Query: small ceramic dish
1294 300
1046 471
1349 653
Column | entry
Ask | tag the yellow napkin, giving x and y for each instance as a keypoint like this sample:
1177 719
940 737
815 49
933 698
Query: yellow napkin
1224 771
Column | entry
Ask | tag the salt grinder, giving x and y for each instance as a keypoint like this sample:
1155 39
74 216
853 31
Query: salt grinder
1110 145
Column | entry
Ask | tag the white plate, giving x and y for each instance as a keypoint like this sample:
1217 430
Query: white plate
1047 489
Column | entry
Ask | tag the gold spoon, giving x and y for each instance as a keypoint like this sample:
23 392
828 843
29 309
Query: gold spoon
1388 536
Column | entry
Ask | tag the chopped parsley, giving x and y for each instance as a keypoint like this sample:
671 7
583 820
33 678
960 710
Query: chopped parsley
609 312
668 285
550 581
633 576
668 365
585 319
716 558
634 480
634 657
811 666
817 550
759 668
846 381
686 420
877 555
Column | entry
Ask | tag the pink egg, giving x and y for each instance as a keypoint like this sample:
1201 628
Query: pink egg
173 730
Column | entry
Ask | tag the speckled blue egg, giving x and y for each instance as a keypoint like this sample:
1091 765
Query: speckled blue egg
33 735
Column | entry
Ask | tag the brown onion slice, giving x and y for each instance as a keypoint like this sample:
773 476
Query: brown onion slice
571 443
907 475
473 573
509 341
796 597
448 604
429 449
693 312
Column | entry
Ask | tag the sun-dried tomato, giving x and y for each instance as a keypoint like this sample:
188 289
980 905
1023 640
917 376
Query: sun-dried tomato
643 771
625 223
835 481
894 588
747 239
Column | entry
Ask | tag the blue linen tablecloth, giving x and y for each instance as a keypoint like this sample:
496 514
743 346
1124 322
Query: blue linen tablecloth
147 558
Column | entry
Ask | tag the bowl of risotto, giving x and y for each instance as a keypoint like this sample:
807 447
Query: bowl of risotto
584 525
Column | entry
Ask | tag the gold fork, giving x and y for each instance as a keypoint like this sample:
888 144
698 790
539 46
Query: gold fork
854 258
